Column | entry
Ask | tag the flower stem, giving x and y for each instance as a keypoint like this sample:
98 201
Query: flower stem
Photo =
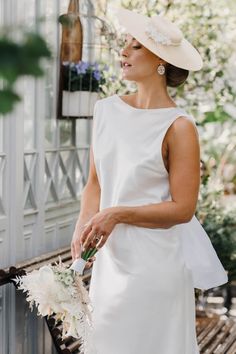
88 253
84 254
92 252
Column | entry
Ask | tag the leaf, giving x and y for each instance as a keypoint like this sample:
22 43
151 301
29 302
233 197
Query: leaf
18 59
9 59
36 46
22 59
219 115
8 99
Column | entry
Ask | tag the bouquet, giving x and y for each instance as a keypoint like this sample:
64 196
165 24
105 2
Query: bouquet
59 290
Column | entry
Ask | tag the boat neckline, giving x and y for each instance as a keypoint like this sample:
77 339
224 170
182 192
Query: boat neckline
143 109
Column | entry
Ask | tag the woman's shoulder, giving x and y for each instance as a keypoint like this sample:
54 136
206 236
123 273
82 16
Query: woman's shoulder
105 100
102 103
185 115
183 123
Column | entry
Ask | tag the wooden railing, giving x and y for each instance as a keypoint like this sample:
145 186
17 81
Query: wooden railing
8 274
214 335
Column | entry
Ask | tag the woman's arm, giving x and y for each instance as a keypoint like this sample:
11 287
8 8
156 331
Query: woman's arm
184 179
89 206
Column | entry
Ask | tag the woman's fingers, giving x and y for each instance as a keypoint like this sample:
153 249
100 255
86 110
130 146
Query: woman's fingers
87 240
101 242
75 248
90 262
73 251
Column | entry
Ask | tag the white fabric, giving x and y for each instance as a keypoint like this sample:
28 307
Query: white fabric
142 284
78 265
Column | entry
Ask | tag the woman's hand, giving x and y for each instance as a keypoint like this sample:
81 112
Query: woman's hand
75 243
76 248
99 227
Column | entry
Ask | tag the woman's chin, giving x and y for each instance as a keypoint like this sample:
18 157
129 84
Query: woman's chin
126 76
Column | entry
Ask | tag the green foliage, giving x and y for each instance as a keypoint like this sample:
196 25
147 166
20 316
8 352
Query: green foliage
16 60
219 115
8 99
218 147
212 30
83 76
219 222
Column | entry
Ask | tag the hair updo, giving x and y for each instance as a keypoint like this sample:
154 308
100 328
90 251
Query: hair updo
175 76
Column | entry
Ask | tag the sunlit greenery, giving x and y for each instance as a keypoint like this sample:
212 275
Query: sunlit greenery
18 59
219 221
212 30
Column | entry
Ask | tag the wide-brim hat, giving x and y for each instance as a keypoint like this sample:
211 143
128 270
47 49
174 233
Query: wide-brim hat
162 37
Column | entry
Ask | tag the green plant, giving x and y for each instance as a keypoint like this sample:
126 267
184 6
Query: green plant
219 221
218 150
17 60
83 76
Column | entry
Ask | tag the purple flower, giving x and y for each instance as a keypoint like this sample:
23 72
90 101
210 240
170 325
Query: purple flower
106 67
81 67
97 75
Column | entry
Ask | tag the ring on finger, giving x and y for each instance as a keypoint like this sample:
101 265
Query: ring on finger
97 238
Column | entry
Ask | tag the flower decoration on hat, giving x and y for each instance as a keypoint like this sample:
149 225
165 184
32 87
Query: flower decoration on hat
163 33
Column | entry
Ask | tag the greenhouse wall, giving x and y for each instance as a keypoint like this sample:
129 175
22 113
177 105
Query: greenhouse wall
43 168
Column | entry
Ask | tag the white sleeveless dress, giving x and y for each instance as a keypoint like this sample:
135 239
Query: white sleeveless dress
143 279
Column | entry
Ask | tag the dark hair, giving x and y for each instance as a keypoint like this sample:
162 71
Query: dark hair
175 76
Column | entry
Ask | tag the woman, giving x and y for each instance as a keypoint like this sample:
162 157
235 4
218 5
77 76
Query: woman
139 202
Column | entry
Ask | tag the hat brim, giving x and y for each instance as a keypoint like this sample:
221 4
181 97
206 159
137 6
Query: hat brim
183 56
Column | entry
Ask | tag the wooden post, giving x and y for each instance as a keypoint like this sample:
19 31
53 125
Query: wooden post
71 45
72 35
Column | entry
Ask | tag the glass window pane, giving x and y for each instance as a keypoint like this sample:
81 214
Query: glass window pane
2 178
25 10
83 131
65 128
51 31
1 132
28 101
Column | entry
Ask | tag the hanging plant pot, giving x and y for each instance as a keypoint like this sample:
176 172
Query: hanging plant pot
78 103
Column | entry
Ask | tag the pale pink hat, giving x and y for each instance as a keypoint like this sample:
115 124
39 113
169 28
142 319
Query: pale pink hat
162 37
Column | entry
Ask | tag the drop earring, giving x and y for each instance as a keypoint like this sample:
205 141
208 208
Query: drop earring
161 69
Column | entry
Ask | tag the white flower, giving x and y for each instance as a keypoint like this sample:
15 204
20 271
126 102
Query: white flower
72 327
55 289
44 309
156 35
159 37
68 272
68 280
60 277
46 273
